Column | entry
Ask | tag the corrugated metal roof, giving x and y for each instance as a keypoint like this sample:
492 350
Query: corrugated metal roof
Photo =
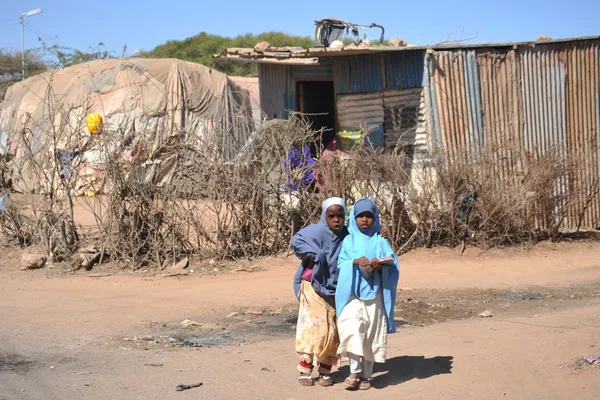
291 53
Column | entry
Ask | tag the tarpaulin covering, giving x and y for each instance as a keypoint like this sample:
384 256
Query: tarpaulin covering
149 103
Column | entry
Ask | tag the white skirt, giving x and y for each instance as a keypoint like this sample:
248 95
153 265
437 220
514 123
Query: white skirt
362 327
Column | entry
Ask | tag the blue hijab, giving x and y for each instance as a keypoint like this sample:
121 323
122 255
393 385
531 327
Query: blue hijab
323 245
351 283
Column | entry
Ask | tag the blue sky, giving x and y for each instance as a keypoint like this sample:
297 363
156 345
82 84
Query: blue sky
145 24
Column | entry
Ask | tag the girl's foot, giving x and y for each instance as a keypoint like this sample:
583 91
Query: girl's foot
365 384
306 380
352 382
325 380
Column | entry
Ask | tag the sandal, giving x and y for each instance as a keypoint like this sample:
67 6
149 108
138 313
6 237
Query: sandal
325 380
365 384
306 380
352 383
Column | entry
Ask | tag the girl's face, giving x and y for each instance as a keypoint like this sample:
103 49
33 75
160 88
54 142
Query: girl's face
335 216
365 221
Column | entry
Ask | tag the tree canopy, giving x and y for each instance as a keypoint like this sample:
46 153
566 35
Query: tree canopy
11 68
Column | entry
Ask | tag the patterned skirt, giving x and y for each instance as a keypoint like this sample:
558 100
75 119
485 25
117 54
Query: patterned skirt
317 337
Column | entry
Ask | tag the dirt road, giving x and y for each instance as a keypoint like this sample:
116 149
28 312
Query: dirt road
119 337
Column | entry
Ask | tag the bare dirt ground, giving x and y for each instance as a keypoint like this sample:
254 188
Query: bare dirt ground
68 335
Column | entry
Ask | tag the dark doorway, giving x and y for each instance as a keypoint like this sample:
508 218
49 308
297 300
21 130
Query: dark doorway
317 99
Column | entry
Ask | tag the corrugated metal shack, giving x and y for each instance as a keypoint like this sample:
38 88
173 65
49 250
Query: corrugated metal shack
545 95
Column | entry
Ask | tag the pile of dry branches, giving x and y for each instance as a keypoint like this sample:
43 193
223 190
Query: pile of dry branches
211 206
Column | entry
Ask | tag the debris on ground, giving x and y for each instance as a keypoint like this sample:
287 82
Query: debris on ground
154 364
252 268
33 261
485 314
255 312
182 387
181 265
592 360
99 275
180 272
88 258
233 314
186 323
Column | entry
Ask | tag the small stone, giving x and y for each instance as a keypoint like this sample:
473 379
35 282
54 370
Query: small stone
32 261
233 314
485 314
52 367
261 47
397 42
186 323
254 312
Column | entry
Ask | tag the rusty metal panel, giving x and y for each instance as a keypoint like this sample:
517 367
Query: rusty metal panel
321 72
356 110
473 90
359 74
404 69
582 87
277 90
501 100
432 111
402 113
452 105
544 99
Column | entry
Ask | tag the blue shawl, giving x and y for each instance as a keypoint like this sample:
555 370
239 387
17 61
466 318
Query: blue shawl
319 242
351 283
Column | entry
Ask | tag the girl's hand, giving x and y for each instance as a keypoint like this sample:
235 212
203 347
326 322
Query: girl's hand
362 262
375 264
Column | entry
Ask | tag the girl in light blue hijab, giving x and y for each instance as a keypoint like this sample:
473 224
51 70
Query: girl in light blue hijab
366 294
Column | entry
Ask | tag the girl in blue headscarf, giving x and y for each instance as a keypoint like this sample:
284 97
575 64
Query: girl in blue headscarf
366 294
318 246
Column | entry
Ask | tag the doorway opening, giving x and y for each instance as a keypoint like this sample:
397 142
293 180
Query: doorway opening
316 99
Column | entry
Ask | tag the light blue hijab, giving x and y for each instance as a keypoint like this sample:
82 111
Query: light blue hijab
351 283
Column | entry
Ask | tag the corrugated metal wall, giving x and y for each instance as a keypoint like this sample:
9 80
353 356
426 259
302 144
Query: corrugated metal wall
277 90
582 103
402 112
523 102
359 74
356 110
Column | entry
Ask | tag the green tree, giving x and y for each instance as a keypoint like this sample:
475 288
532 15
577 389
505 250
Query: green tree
11 68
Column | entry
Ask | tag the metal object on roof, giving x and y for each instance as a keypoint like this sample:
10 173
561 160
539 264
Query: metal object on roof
329 30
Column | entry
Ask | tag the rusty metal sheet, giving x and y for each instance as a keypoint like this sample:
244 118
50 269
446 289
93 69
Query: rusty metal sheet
360 74
452 106
356 110
277 90
402 114
582 87
500 82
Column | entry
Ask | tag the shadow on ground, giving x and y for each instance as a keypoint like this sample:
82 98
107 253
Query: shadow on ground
402 369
